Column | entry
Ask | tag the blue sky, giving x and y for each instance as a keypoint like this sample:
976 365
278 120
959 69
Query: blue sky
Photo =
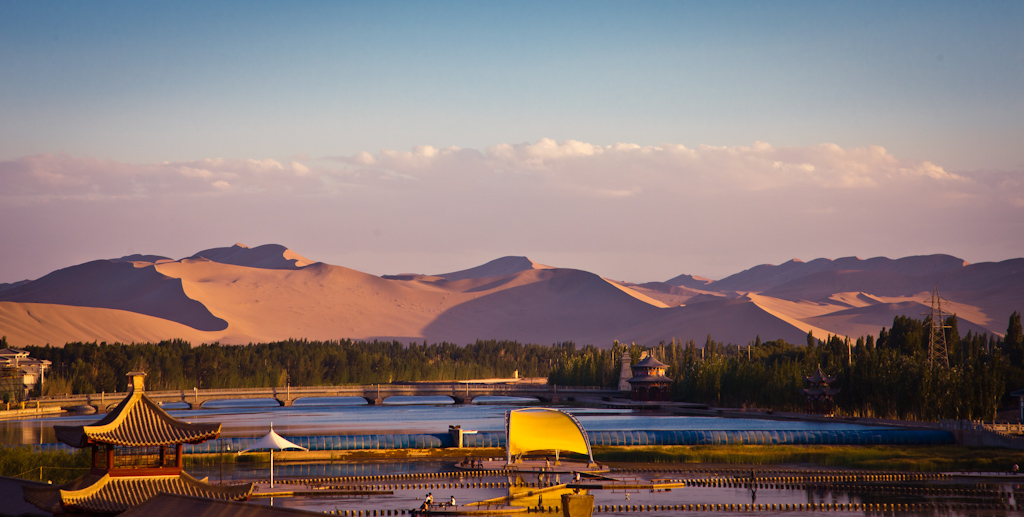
104 91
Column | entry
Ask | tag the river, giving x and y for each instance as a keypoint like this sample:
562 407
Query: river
340 417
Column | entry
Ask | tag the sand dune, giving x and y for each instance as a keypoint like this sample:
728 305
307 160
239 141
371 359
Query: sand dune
53 324
693 282
766 277
117 285
499 267
268 256
730 320
241 295
670 295
544 306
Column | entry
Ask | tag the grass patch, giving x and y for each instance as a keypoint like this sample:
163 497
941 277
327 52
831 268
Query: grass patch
56 465
902 458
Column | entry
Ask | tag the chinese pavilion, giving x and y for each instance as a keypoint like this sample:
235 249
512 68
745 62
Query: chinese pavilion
649 382
136 454
819 395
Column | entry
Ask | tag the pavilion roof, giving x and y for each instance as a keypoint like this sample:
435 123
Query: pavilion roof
819 377
137 422
650 362
115 494
649 379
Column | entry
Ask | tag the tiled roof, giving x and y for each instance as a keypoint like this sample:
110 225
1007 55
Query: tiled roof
108 494
819 377
137 422
649 379
650 362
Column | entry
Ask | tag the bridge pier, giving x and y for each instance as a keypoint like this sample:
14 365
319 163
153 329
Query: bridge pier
374 394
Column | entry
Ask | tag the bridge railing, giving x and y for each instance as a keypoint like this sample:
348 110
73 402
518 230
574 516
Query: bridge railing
354 389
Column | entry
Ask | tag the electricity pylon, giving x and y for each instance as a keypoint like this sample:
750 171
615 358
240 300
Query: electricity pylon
937 351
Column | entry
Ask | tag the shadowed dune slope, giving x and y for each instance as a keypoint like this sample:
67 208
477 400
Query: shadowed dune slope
765 277
545 306
45 323
319 301
239 295
730 320
862 321
117 285
689 281
267 256
503 266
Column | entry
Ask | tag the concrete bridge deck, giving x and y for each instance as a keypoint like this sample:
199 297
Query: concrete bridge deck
459 392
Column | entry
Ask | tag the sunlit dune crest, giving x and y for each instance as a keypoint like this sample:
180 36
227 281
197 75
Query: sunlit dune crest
237 295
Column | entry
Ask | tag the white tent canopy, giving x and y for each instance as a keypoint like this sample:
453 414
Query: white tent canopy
272 442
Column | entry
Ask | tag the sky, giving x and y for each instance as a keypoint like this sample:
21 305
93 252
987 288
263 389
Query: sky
636 140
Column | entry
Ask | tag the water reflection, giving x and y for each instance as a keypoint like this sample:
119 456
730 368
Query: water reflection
949 496
311 418
330 401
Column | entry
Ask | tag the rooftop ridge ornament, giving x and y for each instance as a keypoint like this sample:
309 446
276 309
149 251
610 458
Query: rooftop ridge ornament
138 381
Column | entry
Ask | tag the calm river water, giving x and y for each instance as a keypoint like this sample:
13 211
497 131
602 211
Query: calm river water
948 497
333 417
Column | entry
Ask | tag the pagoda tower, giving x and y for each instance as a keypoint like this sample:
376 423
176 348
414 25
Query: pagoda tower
649 383
819 394
136 454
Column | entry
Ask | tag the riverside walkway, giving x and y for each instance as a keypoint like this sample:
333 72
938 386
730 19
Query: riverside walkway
374 394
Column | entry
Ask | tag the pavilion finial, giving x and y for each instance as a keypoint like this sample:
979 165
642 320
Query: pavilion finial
138 381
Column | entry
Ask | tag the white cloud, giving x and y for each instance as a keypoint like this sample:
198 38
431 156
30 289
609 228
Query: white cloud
733 204
544 167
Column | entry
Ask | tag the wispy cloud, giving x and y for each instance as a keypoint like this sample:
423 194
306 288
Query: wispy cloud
702 210
570 167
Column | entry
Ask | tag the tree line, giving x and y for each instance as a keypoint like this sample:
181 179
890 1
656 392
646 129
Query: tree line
176 365
890 376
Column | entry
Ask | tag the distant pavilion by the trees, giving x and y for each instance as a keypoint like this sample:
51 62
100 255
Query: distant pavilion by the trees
649 382
819 394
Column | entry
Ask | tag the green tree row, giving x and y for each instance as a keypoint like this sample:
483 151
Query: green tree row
173 365
891 376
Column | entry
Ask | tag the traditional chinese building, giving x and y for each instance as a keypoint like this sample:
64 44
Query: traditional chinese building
819 394
25 372
649 382
136 454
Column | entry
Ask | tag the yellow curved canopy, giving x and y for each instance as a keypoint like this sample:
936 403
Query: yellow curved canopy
544 429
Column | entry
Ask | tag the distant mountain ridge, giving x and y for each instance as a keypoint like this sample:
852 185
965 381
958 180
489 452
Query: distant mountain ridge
238 294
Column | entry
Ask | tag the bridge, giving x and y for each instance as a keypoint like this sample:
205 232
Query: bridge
374 394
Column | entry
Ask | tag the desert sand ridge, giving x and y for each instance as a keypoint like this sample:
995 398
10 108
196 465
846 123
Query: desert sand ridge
238 295
498 267
268 256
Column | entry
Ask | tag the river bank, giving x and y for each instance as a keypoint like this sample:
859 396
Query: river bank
946 458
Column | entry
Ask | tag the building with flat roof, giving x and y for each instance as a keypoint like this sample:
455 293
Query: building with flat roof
21 373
